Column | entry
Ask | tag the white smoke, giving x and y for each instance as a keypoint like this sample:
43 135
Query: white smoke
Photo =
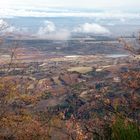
16 30
59 35
48 27
5 27
91 28
49 31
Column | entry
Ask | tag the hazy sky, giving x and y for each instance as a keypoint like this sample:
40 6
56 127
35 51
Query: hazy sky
98 4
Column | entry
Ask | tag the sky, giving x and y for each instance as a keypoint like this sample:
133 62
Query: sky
101 11
62 8
93 4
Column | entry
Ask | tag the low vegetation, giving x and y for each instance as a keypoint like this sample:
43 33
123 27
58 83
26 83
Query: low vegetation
70 101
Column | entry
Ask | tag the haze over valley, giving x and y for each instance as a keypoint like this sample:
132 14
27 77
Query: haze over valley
69 70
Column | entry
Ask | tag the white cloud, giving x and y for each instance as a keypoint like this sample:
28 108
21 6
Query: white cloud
65 13
91 28
72 3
